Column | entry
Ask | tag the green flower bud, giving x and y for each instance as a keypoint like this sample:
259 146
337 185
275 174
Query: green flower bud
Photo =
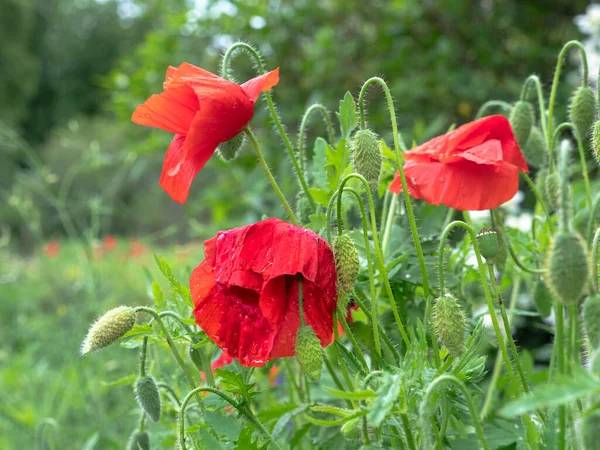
139 440
229 149
589 431
350 429
542 298
309 353
552 190
591 320
347 263
596 141
367 156
303 208
567 266
521 120
108 328
488 243
196 357
535 149
148 396
582 111
449 324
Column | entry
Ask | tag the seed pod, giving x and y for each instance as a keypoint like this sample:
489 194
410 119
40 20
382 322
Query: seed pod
347 263
108 328
535 149
139 440
148 396
591 320
449 324
552 190
596 141
589 431
367 156
229 149
303 208
488 243
350 429
567 266
309 353
521 120
542 298
582 111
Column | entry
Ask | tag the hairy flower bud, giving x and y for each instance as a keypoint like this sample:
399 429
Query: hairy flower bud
591 320
229 149
303 208
139 440
596 141
552 190
309 353
449 323
347 263
589 431
488 243
367 156
542 297
148 396
521 120
582 110
535 149
108 328
567 266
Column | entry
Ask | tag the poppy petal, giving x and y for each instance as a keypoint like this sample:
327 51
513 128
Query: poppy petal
172 110
263 83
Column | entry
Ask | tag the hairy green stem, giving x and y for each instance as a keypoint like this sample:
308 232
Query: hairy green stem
540 96
592 220
560 357
350 335
491 104
595 243
143 351
325 114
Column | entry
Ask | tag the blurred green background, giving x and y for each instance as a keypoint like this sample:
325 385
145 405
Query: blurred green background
74 169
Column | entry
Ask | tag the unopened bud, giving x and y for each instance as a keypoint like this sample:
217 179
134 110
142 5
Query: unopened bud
582 111
535 149
367 156
449 323
521 120
229 149
108 328
347 263
589 431
309 353
596 141
488 243
303 208
542 298
552 190
148 396
139 440
567 266
591 320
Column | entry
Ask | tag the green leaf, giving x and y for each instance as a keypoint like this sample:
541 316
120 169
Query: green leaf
224 425
91 442
159 297
341 412
356 395
317 221
319 163
234 383
179 289
577 386
266 415
321 196
282 422
245 441
347 115
298 435
209 441
386 397
334 423
125 381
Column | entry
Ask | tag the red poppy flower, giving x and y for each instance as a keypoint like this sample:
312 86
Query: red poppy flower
272 376
52 249
475 167
202 110
245 291
110 242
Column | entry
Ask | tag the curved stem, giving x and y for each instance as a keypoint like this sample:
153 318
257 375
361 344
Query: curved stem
561 56
592 220
539 199
427 408
518 262
270 176
400 161
305 117
256 56
538 87
171 393
490 104
378 254
179 319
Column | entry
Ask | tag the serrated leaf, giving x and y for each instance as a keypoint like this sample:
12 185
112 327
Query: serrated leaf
282 422
223 425
179 289
209 441
386 397
347 115
340 412
234 383
334 423
319 162
349 358
317 221
356 395
321 196
159 297
265 415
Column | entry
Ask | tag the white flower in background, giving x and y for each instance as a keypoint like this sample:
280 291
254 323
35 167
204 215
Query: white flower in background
589 24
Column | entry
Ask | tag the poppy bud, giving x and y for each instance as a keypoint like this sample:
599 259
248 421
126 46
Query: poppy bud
108 328
148 397
567 266
347 263
309 353
552 190
488 243
229 149
542 298
367 156
350 429
589 431
196 357
596 141
139 440
521 120
591 320
535 149
303 208
582 111
449 324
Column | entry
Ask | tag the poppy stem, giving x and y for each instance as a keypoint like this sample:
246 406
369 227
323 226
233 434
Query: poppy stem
540 96
365 227
400 161
560 357
491 104
592 219
270 176
595 243
559 62
258 61
142 371
304 123
539 199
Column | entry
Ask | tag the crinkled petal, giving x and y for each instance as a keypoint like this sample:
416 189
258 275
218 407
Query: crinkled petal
488 152
263 83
